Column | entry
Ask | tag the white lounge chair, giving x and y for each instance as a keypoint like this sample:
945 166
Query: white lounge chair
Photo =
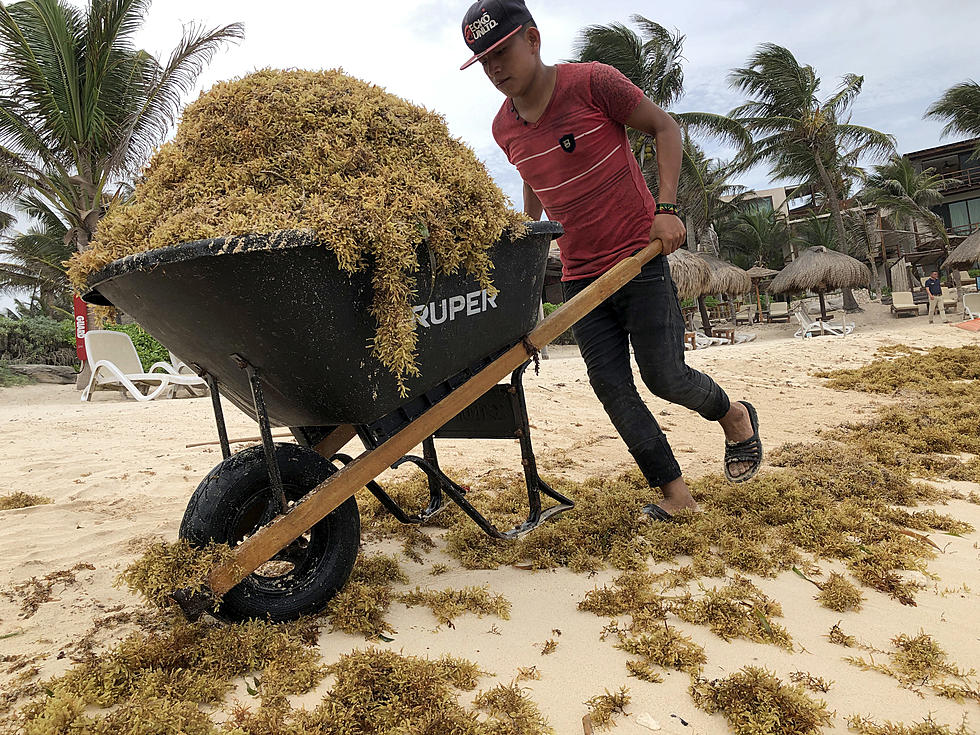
116 365
176 366
971 306
778 310
902 303
949 300
814 327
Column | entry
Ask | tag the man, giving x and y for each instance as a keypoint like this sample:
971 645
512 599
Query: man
563 128
935 290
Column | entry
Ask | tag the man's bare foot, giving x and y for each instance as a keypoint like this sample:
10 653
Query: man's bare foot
677 497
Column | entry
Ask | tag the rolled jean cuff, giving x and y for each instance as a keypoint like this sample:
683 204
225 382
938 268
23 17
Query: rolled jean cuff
721 411
656 461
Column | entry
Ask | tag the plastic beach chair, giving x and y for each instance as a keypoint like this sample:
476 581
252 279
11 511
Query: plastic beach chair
813 327
116 365
971 306
902 303
197 388
778 310
949 300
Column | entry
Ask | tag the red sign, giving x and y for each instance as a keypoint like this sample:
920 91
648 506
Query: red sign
81 325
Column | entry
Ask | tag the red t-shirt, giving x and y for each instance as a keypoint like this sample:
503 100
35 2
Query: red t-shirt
578 160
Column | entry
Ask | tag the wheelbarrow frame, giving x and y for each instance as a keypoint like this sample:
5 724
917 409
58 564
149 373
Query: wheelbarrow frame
391 448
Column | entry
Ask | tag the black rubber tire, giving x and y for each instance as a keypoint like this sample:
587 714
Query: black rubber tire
234 500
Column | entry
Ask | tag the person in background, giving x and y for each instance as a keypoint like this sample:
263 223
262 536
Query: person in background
935 290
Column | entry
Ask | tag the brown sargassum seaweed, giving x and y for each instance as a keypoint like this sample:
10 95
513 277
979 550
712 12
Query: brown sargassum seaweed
369 174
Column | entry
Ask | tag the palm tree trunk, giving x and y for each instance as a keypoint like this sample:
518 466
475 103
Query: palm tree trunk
850 303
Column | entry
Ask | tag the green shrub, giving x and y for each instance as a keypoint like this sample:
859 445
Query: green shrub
149 350
37 340
566 337
974 272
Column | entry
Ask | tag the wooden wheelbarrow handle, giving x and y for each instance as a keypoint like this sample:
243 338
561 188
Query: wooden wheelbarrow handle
328 495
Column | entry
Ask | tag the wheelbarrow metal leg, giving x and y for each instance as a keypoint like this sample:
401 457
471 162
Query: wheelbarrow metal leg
265 429
219 416
328 495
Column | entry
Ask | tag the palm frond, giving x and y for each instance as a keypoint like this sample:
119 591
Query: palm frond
167 86
960 107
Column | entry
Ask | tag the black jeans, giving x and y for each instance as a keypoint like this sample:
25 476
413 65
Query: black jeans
646 313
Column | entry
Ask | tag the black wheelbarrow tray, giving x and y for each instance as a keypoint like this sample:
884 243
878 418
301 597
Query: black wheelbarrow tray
274 326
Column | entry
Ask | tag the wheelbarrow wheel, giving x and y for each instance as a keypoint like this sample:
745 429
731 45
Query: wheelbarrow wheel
235 499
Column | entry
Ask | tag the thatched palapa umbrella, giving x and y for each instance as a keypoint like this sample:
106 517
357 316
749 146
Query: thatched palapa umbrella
689 272
820 270
692 277
965 254
725 277
757 273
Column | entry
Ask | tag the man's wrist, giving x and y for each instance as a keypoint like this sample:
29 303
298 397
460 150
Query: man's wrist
667 208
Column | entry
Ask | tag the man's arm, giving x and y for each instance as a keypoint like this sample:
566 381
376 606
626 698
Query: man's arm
650 119
532 205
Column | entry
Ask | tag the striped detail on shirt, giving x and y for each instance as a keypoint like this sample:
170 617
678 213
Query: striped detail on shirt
584 173
557 147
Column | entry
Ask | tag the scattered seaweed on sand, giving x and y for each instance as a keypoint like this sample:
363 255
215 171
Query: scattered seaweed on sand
360 607
811 682
174 682
162 677
866 726
549 647
838 637
603 708
666 647
920 662
737 610
755 701
643 671
34 592
915 370
527 673
510 712
13 501
369 175
165 567
839 593
449 603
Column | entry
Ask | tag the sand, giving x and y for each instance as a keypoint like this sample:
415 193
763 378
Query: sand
119 474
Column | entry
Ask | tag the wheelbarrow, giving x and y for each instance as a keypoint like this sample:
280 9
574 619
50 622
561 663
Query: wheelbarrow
276 328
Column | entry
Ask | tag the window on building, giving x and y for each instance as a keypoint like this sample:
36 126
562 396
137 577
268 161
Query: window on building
964 217
762 204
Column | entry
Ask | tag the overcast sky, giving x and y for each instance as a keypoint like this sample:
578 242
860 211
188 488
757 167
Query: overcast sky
909 52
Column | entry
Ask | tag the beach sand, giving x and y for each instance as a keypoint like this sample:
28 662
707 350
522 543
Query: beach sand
119 474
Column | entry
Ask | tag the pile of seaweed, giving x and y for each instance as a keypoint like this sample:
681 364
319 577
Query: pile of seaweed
369 175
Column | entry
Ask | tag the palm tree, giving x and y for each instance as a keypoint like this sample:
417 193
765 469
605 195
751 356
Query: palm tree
799 135
652 60
82 107
908 193
755 236
33 260
960 107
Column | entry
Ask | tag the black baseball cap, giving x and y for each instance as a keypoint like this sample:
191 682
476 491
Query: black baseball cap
489 23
